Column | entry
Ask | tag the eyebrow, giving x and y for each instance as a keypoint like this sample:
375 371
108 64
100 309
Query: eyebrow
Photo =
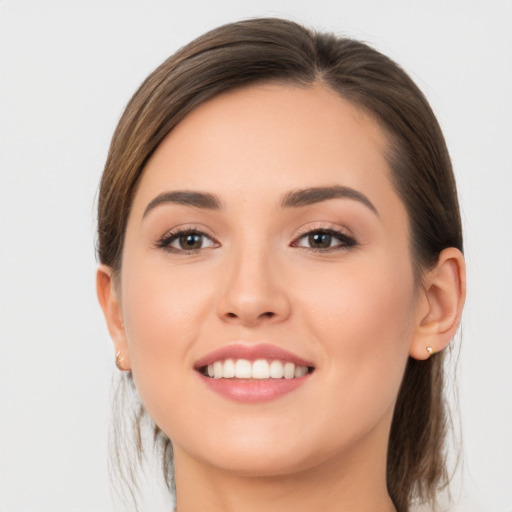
307 196
201 200
294 199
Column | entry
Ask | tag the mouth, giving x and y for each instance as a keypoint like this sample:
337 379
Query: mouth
253 373
260 369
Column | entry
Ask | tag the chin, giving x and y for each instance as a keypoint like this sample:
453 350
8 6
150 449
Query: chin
268 454
261 463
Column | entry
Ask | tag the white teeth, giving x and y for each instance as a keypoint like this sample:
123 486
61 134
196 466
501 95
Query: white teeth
276 370
259 369
289 370
229 369
300 371
243 369
217 370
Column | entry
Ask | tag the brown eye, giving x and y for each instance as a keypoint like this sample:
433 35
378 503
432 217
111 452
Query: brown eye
320 240
190 241
186 241
325 240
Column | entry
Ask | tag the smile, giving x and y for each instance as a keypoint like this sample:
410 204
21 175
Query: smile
260 369
253 373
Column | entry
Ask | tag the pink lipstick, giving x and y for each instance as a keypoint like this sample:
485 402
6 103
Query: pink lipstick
253 373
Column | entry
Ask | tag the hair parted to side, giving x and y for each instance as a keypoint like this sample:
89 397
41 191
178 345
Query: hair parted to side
276 50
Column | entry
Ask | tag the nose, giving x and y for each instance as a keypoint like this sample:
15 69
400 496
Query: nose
254 291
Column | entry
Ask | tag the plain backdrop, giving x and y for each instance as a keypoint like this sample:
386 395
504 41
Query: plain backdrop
67 69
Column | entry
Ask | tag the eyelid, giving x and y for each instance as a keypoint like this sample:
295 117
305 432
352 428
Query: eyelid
323 226
173 234
346 240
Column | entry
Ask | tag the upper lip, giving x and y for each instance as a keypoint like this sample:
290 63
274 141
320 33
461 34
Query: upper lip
251 353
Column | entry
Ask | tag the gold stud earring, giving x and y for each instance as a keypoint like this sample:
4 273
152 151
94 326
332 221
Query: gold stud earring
119 360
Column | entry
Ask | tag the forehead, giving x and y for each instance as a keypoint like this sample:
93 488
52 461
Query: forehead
267 139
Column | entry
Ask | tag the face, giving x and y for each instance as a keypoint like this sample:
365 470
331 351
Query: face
266 239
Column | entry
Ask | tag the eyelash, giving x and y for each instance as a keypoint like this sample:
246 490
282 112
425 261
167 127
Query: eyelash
345 241
171 236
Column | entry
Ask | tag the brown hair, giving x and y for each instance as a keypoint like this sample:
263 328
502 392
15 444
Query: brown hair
259 50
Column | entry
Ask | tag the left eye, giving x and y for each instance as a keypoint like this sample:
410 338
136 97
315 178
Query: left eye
324 239
186 241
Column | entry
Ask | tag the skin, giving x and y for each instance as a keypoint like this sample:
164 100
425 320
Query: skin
353 310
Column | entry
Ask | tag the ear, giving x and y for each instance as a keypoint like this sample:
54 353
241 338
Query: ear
107 292
440 305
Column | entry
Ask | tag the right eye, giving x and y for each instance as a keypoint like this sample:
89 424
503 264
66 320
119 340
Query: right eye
325 240
186 241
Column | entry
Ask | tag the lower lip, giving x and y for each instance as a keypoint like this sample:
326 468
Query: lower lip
253 390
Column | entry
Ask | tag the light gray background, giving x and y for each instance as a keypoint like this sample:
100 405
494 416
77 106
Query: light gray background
67 68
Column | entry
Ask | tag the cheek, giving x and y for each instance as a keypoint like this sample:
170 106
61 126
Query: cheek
363 297
164 313
363 319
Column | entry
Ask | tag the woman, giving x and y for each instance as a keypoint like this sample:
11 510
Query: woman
281 270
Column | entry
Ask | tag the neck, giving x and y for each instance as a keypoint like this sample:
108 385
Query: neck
341 484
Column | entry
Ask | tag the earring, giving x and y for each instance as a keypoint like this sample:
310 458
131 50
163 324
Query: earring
119 360
430 350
